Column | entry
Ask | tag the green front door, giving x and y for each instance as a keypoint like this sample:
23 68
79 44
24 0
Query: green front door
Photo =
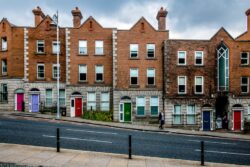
127 112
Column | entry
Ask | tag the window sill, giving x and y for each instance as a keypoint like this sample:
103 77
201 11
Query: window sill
150 86
134 58
4 74
197 65
99 54
151 58
40 79
99 82
140 116
244 65
56 54
134 86
199 94
83 82
182 65
40 53
82 54
4 102
6 50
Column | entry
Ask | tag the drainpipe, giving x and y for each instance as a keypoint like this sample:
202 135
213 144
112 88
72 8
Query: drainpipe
163 75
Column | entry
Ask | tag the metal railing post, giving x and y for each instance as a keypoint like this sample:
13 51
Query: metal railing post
202 153
58 140
130 147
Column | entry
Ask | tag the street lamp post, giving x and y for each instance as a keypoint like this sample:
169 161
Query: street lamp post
55 18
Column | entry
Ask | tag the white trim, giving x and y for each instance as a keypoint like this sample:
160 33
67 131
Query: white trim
151 105
40 64
84 65
185 77
137 75
82 47
226 69
147 49
185 53
37 41
121 112
202 58
148 76
96 41
141 106
53 51
247 84
247 58
130 50
99 73
51 97
202 84
94 108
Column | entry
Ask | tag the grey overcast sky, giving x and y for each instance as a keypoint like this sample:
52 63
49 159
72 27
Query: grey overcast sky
187 19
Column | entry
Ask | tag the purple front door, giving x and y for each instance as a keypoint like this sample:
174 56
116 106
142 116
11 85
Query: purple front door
35 102
19 104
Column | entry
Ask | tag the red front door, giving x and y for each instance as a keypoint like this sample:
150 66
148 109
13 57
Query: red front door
237 120
19 101
78 107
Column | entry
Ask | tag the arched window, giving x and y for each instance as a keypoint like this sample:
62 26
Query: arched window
222 67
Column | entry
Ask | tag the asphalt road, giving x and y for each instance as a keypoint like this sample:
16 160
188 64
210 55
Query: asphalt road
105 139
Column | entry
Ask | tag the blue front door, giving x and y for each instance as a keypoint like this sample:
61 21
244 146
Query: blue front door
206 121
35 102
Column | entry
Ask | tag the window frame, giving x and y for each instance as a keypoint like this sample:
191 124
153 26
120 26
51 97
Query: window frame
51 98
4 70
3 93
148 50
244 58
140 106
37 43
94 102
175 114
4 42
185 58
202 58
79 74
150 77
64 98
134 77
53 71
37 71
158 104
178 81
86 47
246 84
202 84
104 101
53 51
188 114
130 50
96 53
99 73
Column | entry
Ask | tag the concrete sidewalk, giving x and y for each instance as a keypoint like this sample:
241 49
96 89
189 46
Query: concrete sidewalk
44 156
152 128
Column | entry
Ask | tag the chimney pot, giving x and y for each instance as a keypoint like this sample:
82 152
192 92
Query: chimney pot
161 17
77 17
248 20
39 15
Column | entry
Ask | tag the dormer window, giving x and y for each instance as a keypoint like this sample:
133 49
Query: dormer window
4 43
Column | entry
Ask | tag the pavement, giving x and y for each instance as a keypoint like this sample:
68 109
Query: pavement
132 126
15 155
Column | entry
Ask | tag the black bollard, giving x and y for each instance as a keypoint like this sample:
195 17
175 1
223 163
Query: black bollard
130 147
202 153
58 139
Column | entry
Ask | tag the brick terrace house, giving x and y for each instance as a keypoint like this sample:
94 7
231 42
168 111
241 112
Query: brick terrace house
138 74
207 81
135 73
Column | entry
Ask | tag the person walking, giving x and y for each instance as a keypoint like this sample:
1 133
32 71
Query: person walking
161 119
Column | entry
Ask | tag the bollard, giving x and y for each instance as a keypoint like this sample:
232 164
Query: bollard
202 153
130 147
58 140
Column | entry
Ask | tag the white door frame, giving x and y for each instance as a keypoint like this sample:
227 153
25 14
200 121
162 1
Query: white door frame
211 117
240 109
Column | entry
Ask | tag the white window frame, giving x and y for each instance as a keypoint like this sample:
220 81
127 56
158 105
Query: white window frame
174 114
202 84
247 84
40 42
4 64
96 47
79 78
140 106
153 69
105 101
244 58
99 73
58 70
136 76
158 104
188 114
130 50
46 101
202 58
148 45
59 47
38 71
85 42
178 78
185 57
60 98
89 107
4 43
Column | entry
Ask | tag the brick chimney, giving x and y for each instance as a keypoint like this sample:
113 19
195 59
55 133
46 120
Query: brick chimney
39 15
77 17
248 20
161 17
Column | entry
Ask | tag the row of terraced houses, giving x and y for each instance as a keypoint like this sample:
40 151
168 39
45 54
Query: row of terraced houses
134 73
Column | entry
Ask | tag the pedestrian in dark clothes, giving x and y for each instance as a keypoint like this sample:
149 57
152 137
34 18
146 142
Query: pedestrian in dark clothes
161 119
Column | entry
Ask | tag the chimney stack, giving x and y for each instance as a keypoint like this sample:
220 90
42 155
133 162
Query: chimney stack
248 20
77 17
39 15
161 17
